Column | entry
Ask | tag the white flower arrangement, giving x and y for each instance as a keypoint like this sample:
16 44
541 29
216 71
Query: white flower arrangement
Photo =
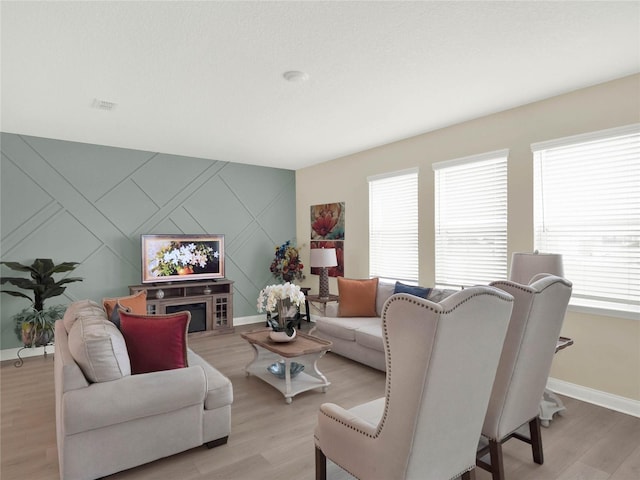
269 296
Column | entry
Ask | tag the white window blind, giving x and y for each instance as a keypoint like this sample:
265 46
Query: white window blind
587 207
471 219
393 226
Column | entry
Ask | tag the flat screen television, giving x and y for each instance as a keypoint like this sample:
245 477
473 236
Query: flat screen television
171 258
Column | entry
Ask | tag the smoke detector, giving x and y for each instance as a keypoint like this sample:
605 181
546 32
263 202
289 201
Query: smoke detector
295 76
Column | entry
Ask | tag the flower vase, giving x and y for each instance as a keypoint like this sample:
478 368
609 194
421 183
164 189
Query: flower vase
282 337
287 312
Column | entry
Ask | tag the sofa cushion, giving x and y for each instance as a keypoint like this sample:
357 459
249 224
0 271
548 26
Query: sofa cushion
156 342
82 308
345 327
137 303
357 297
370 336
437 294
219 388
99 349
422 292
385 290
131 399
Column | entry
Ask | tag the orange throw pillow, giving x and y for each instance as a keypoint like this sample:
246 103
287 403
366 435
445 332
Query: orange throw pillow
135 303
357 297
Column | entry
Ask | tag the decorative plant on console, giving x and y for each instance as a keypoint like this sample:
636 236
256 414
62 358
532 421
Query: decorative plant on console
285 300
34 324
286 265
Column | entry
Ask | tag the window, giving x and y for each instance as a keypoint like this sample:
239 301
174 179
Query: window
587 207
471 219
393 226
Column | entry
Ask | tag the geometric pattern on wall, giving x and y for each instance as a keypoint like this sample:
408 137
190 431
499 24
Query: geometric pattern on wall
89 203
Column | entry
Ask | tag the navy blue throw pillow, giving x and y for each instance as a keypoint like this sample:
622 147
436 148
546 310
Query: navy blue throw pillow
422 292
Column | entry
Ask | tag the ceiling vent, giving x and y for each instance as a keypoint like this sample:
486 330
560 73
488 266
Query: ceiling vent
103 104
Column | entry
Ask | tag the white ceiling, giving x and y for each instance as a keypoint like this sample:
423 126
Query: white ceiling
204 79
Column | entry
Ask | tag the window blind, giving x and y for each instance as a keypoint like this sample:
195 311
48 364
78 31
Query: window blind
587 207
471 220
393 226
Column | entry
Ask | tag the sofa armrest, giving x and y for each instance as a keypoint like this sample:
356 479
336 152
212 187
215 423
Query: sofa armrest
132 397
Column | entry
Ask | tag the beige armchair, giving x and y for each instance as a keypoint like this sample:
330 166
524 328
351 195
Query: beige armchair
537 317
441 360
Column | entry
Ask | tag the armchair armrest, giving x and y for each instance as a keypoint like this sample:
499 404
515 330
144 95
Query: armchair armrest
131 397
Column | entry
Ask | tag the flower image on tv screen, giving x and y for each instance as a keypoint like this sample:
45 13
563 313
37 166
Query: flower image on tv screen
168 258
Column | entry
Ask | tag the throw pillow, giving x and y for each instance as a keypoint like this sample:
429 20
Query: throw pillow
99 349
115 315
156 342
357 297
81 309
422 292
137 303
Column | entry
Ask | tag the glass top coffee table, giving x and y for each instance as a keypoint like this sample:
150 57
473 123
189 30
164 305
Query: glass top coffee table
289 367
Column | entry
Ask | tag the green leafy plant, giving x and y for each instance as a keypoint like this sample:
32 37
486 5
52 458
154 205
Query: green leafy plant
34 325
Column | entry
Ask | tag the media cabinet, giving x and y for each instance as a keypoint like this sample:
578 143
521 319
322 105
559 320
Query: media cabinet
210 303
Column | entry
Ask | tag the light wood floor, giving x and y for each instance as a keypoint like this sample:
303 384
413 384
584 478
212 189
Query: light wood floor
271 440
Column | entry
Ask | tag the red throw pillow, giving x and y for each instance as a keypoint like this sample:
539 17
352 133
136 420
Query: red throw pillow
155 342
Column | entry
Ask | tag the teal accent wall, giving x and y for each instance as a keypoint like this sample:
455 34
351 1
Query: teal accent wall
88 203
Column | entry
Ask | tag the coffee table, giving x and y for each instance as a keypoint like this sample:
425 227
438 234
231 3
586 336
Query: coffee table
306 350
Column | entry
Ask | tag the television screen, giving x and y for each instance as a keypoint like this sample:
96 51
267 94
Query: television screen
169 258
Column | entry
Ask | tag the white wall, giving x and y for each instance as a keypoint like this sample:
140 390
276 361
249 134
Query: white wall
606 354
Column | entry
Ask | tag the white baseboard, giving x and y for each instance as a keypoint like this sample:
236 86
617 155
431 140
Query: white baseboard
249 320
12 353
596 397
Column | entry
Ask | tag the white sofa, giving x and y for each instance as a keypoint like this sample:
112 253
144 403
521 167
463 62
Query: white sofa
360 338
108 426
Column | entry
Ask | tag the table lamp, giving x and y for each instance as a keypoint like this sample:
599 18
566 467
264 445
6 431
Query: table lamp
323 258
524 266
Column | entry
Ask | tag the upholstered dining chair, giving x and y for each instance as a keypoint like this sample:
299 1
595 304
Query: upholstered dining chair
530 344
441 360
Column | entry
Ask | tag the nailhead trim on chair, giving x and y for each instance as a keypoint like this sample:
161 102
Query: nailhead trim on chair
524 288
462 473
421 303
428 306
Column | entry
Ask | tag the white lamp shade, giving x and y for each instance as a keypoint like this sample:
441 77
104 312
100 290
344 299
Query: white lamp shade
323 257
524 266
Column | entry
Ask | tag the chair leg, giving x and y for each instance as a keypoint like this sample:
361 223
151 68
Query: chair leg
469 475
536 440
495 453
321 465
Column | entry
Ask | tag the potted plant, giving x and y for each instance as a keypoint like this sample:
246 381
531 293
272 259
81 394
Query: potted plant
285 300
34 324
